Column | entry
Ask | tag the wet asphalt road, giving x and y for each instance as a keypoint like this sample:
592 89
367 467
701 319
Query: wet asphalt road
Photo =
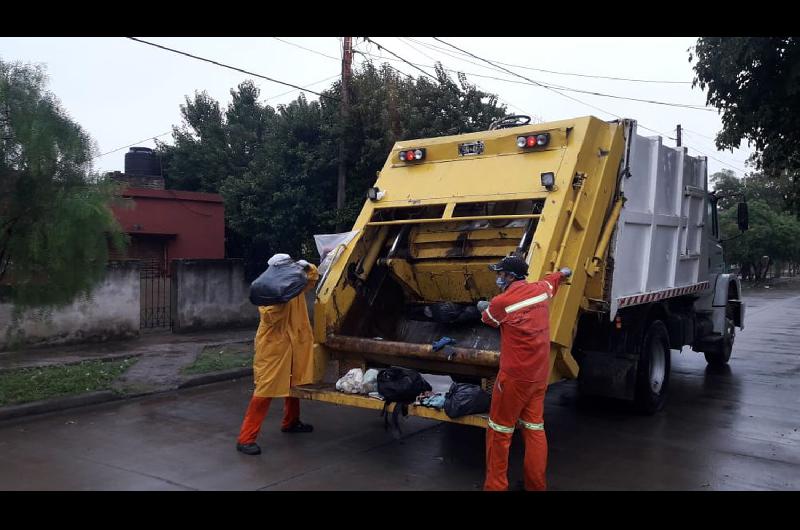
737 429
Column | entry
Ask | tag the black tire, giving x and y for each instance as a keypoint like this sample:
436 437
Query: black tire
721 354
652 378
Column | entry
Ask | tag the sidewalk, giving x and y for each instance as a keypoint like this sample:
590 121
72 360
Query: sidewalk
161 357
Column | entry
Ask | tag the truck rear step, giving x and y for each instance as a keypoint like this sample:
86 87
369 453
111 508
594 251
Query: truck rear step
329 394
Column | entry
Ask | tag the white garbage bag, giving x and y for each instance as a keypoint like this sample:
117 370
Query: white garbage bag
370 382
351 382
330 247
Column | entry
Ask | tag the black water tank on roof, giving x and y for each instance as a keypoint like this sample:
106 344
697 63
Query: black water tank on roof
142 161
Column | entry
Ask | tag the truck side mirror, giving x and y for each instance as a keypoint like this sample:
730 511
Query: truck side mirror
742 217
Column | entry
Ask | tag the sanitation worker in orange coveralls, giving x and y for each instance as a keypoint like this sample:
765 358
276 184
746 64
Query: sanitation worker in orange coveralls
283 358
521 312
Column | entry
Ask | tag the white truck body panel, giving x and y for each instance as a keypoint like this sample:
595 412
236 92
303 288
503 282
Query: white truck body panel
659 247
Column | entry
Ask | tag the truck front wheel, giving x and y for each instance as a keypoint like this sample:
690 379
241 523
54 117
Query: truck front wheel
652 379
721 353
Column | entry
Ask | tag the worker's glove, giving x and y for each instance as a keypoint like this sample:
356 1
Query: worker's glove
566 271
483 305
303 263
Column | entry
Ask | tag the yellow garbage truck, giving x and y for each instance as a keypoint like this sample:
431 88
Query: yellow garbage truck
632 217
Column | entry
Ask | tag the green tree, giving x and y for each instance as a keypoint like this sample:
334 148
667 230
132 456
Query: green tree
733 189
755 83
55 223
277 168
772 233
279 202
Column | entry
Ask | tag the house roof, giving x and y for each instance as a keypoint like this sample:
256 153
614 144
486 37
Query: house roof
172 195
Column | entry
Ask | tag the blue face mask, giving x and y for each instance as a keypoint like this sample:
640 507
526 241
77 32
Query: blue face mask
502 283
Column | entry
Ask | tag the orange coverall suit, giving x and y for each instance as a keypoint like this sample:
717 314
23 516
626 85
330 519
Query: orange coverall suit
521 312
283 358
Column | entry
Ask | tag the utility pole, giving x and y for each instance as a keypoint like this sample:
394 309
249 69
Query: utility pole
679 135
347 67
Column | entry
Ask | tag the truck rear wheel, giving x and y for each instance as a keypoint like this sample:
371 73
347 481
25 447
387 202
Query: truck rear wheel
652 378
721 353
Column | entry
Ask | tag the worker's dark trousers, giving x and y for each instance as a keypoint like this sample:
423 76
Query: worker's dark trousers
257 411
516 404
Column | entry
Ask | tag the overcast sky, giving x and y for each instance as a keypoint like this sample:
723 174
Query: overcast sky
124 92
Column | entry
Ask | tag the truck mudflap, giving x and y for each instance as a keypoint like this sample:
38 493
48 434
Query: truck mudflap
607 374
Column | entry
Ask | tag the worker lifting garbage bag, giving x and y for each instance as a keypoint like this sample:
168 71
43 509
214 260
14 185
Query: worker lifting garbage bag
283 349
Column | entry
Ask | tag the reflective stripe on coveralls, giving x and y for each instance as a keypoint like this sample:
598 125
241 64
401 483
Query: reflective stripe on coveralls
531 426
500 428
490 316
526 303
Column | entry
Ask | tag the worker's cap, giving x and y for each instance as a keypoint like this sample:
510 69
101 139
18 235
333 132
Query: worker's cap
513 265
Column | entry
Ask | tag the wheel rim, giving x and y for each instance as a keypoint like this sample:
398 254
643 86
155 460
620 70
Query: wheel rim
658 366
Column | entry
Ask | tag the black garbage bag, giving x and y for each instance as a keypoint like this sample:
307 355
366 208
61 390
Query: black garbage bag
278 284
452 313
400 386
463 399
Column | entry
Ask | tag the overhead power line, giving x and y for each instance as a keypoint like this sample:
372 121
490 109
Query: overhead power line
569 89
696 135
168 132
557 88
295 90
595 76
407 42
699 134
505 101
308 49
231 68
131 145
587 104
408 63
718 160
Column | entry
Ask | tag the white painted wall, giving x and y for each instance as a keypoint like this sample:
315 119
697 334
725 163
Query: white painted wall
110 311
210 294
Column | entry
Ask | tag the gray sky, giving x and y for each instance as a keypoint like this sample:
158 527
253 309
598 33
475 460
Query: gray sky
123 92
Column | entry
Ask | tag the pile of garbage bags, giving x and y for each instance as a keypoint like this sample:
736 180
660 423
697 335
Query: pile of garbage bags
356 381
460 400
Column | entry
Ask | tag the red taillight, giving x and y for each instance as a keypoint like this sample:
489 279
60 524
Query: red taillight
412 155
534 140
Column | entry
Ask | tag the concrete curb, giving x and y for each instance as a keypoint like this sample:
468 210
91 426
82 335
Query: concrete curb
56 404
215 377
